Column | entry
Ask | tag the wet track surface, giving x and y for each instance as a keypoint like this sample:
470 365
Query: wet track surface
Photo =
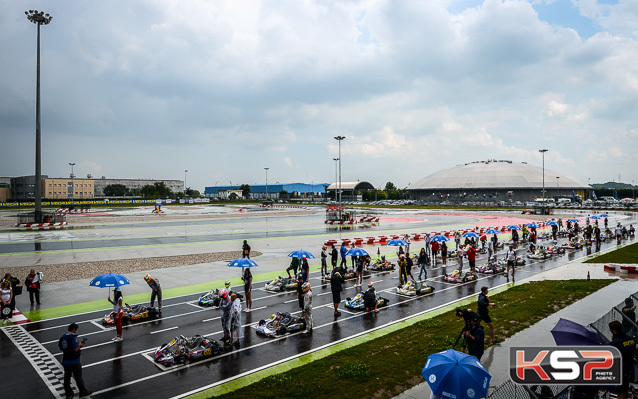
127 369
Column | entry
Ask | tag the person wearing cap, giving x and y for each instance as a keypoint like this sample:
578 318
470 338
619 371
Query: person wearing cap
370 300
324 262
156 291
118 312
475 337
307 307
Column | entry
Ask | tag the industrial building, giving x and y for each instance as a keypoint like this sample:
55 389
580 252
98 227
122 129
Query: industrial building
258 191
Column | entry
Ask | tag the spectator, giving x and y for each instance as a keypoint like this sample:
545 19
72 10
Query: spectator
32 282
324 263
343 250
70 346
475 337
409 262
236 332
305 269
459 257
427 243
444 253
435 252
6 295
300 293
225 304
359 276
15 288
245 250
403 270
156 291
370 300
515 238
336 282
627 347
334 255
457 239
407 242
484 313
307 307
471 258
353 257
423 260
248 288
629 322
118 312
294 265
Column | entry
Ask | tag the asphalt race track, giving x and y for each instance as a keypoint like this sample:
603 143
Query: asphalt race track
127 369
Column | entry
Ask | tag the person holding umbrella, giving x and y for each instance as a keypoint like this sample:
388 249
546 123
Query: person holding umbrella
248 288
118 312
435 251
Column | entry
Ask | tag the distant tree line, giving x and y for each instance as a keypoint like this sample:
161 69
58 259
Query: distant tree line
155 190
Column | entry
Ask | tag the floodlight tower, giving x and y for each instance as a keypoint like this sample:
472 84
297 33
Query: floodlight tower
543 152
339 139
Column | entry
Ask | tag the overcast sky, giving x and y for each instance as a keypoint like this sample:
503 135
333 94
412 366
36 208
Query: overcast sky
148 89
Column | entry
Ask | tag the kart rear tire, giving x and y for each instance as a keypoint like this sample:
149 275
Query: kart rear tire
181 359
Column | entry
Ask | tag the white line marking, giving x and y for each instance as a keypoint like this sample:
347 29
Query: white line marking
214 318
166 329
98 325
193 304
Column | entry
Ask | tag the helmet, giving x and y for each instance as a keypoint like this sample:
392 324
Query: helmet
305 287
324 247
370 284
227 284
223 293
147 277
402 256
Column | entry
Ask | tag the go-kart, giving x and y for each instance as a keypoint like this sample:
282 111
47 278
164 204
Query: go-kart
211 298
180 349
132 313
410 288
279 284
280 323
539 254
576 244
457 277
356 303
518 262
345 274
490 268
555 249
380 266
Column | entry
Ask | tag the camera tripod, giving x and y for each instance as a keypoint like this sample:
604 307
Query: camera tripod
462 336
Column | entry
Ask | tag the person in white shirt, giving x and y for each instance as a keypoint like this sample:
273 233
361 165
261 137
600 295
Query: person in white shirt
511 259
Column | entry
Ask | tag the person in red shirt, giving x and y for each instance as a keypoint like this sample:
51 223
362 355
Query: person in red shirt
435 251
471 257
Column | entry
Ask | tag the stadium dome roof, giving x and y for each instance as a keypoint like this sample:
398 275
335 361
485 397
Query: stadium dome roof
494 174
355 185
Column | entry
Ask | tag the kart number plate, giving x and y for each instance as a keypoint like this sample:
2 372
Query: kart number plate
208 352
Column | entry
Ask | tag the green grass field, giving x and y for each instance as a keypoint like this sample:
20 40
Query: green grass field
626 254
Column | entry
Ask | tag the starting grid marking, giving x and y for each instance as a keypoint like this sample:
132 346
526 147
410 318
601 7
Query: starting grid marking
41 359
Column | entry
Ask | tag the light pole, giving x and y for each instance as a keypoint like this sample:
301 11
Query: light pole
266 183
589 186
72 176
339 139
632 190
38 18
336 180
543 152
185 171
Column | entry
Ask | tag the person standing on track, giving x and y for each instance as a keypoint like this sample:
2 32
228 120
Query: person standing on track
423 260
307 307
70 346
435 252
444 253
511 260
324 263
248 288
336 286
359 276
236 332
343 250
471 257
32 282
156 291
225 305
6 295
403 270
334 256
118 312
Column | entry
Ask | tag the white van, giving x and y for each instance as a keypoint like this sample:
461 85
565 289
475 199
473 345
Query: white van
562 201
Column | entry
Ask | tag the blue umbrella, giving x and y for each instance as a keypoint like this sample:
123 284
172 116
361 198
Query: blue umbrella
109 280
452 374
551 223
356 252
440 238
513 227
574 220
241 262
470 234
397 243
532 225
595 217
604 215
301 254
569 333
492 231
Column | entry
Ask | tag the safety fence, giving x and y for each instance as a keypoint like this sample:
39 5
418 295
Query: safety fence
509 390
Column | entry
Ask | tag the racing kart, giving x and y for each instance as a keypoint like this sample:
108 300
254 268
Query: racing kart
380 266
356 303
279 324
490 268
410 288
518 262
539 254
574 244
180 349
345 274
279 284
555 250
132 313
211 298
457 277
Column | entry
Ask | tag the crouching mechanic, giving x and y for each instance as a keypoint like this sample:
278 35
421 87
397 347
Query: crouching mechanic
475 338
156 291
307 307
370 300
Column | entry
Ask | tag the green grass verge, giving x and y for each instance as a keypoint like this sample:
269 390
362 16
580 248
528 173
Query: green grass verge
624 254
384 366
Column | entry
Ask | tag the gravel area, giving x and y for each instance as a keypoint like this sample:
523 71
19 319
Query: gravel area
82 270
